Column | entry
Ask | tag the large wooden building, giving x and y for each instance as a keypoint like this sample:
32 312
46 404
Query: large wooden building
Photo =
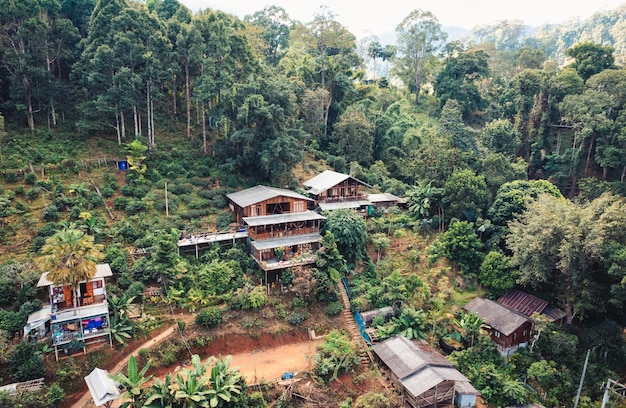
331 190
509 329
425 377
282 231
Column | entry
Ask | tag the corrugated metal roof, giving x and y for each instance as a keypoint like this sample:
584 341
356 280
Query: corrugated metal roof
102 271
523 302
102 388
335 205
527 304
430 377
419 369
404 358
282 218
259 193
499 317
286 241
384 197
553 313
326 180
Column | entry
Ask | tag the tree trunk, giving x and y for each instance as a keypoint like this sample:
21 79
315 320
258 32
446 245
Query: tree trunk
589 155
174 92
204 130
136 120
123 121
117 128
418 84
29 104
188 99
49 69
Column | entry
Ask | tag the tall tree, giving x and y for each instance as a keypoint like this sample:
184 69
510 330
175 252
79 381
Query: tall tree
459 80
419 38
559 245
590 58
350 231
275 26
333 51
454 130
69 256
265 143
353 136
461 245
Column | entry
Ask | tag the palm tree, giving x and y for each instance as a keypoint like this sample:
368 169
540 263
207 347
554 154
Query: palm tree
69 257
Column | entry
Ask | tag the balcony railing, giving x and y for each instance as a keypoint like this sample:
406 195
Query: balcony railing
285 233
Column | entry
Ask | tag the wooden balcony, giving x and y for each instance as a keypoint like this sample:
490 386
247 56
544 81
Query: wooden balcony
257 236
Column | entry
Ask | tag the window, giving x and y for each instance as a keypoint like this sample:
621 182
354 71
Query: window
97 284
298 206
257 210
524 332
496 333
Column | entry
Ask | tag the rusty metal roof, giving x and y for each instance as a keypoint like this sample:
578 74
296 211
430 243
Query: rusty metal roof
527 304
523 302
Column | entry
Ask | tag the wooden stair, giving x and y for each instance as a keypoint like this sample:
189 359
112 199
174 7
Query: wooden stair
365 354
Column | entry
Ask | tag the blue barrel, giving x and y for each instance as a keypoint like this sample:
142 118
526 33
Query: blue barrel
123 164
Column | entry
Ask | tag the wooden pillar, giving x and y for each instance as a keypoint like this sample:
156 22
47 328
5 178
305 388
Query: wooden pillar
196 250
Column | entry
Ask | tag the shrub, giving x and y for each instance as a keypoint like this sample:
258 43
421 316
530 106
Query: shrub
295 318
209 317
223 221
107 191
25 363
120 203
298 302
255 299
134 206
32 193
10 177
111 181
30 178
336 355
198 203
50 213
168 354
181 188
333 309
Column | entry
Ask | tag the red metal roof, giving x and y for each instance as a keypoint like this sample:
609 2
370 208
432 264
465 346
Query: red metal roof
523 302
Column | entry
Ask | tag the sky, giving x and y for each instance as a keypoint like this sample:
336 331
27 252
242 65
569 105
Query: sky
384 15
